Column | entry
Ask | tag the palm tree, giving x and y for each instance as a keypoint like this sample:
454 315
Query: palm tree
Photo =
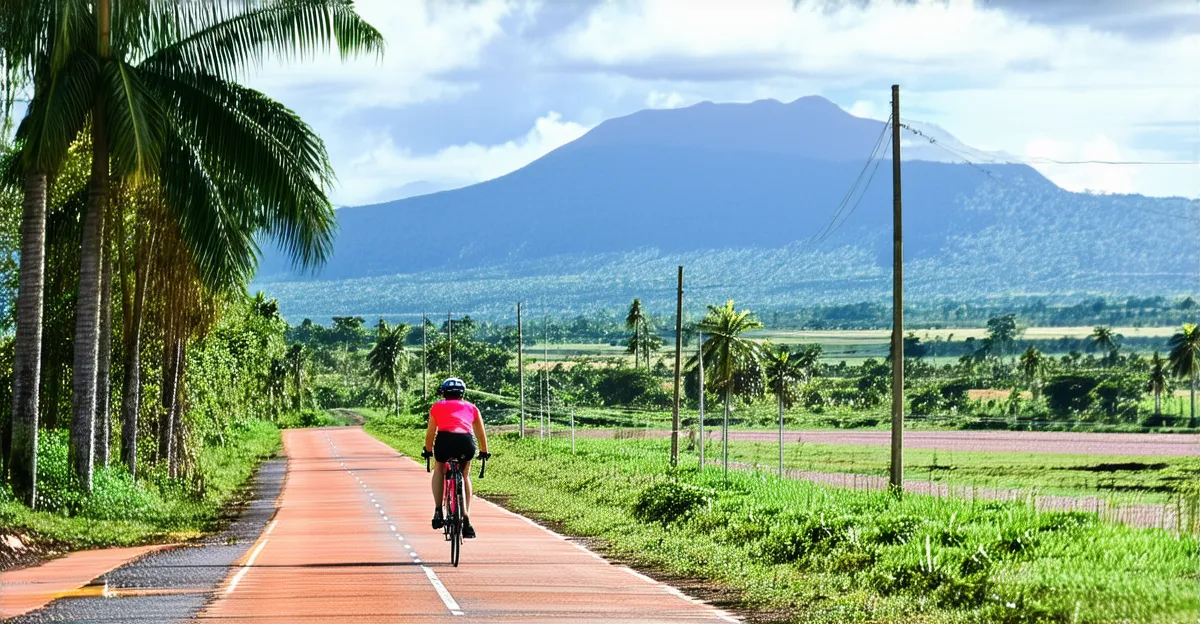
1105 340
635 322
36 37
157 82
782 371
1156 383
1185 359
726 353
386 359
1032 362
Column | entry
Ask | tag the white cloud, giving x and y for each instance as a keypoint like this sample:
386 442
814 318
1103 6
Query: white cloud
424 41
994 79
385 167
866 109
658 99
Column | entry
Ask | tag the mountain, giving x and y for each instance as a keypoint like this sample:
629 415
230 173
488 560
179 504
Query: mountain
752 197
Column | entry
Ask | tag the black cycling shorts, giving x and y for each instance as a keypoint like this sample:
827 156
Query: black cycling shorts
460 446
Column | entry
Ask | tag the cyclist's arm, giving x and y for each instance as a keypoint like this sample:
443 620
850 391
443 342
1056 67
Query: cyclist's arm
480 434
430 433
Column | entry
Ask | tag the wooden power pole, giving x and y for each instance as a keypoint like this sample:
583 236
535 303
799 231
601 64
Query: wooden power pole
896 475
678 358
521 367
450 342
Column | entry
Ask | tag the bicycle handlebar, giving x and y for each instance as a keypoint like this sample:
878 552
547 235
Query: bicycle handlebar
482 465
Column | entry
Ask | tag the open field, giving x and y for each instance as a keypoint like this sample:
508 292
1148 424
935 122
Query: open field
808 552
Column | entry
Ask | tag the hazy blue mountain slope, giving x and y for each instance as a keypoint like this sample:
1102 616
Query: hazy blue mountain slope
736 192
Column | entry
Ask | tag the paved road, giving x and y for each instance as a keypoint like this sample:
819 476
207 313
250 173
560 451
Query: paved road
351 542
1127 444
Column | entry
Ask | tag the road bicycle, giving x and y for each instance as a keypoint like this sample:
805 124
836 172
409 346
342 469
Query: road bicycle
454 502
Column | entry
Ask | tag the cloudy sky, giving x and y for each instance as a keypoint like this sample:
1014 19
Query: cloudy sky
470 90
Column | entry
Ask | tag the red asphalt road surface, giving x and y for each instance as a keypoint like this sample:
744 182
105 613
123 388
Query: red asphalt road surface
351 542
1116 444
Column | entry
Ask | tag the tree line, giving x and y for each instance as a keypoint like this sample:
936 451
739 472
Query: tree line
143 176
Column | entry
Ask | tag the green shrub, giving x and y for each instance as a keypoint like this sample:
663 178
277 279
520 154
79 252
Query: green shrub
895 529
670 501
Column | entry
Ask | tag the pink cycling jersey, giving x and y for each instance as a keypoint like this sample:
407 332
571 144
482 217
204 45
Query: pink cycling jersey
454 415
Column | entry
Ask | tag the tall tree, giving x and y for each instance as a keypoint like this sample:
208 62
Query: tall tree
1185 360
782 371
295 359
1002 331
1104 340
37 38
727 353
1156 381
635 322
1032 361
387 358
231 163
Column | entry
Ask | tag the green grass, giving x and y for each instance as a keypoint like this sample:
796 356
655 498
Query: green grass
822 554
120 512
1128 479
312 418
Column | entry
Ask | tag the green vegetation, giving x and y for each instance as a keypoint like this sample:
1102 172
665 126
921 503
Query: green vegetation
822 554
120 511
136 204
999 381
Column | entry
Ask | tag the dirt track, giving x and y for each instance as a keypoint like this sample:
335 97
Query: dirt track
1120 444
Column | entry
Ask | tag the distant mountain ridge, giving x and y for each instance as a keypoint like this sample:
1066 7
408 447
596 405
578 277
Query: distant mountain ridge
758 181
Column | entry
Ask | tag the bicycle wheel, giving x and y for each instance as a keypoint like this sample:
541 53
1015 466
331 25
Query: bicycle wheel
460 511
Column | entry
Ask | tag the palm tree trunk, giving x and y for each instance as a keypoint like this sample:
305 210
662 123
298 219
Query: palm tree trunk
27 352
176 429
170 378
1192 422
781 432
87 317
104 359
131 386
1157 402
725 431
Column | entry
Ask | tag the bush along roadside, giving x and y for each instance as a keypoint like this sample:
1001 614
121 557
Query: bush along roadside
123 512
821 554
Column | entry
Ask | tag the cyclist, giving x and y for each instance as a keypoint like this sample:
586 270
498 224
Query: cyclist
451 422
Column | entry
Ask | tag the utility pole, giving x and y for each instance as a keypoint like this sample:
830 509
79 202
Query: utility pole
896 475
424 359
521 367
450 342
678 358
700 365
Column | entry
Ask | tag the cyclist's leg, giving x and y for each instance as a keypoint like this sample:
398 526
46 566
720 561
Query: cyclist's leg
439 480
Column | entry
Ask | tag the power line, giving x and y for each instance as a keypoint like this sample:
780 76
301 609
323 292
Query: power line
967 160
823 233
1040 160
860 197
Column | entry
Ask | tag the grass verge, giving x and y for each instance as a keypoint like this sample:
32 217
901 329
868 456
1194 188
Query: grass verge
122 512
821 554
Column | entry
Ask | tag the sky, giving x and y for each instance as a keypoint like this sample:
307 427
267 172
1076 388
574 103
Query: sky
469 90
